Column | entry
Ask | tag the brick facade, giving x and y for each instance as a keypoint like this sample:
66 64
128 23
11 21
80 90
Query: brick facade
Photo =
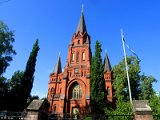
69 91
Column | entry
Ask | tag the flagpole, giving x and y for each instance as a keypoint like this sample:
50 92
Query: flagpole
130 96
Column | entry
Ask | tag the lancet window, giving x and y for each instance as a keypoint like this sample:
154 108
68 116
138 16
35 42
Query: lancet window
76 92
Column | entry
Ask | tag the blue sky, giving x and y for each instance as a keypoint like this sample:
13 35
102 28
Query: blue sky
53 22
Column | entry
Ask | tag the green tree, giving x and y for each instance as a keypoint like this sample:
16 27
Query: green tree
28 76
120 83
97 84
3 93
6 47
120 86
14 91
141 87
122 108
15 81
155 103
147 90
6 54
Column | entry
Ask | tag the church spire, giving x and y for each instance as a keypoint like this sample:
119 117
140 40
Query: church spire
107 65
57 68
81 25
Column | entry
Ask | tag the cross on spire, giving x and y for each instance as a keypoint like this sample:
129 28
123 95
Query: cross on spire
81 25
82 8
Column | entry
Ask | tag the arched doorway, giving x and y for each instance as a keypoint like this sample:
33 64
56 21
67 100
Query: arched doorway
75 99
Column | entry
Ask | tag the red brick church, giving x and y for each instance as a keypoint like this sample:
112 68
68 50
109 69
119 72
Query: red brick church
69 91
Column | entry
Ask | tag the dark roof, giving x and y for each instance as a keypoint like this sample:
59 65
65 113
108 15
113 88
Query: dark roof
107 64
81 25
141 106
35 105
87 40
58 68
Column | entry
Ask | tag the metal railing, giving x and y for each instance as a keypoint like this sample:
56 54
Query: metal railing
5 115
67 116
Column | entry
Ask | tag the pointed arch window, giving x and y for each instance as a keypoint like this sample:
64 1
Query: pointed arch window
60 90
76 92
77 57
108 91
72 56
78 42
54 108
83 55
52 90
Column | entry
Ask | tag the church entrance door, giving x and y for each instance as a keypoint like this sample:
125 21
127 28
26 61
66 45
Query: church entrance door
75 112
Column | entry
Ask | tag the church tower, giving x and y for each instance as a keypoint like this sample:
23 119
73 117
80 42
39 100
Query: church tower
108 78
69 91
78 70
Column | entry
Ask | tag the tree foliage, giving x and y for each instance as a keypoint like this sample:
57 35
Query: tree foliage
97 85
155 103
15 81
28 76
147 90
141 87
20 85
3 93
15 93
120 83
6 54
6 47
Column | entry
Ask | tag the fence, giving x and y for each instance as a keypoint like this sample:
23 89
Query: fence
67 116
52 116
5 115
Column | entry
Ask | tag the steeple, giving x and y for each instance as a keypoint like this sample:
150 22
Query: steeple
107 65
81 25
57 68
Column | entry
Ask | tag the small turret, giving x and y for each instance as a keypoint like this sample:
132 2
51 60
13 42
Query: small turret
107 65
58 68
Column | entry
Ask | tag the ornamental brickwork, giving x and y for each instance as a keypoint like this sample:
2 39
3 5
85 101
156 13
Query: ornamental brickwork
69 91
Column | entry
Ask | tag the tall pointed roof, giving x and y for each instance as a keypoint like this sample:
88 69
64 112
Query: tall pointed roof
81 25
58 68
107 64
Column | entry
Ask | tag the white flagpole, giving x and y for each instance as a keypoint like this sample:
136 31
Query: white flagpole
130 96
